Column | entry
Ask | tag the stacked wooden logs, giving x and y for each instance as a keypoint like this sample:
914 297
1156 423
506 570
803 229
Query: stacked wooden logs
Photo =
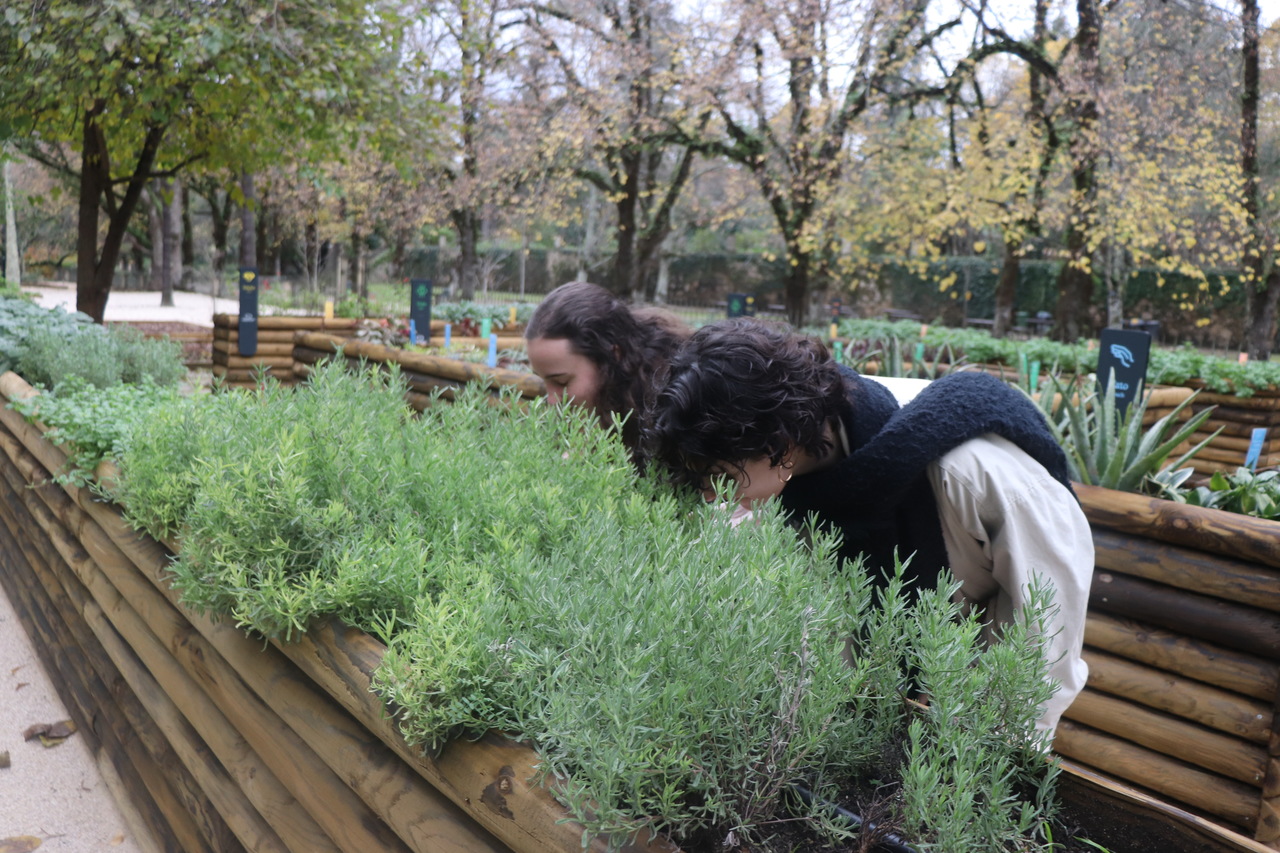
273 355
222 742
425 374
1237 418
1183 646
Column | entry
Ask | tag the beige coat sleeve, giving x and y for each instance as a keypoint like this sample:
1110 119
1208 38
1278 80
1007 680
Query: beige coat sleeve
1005 520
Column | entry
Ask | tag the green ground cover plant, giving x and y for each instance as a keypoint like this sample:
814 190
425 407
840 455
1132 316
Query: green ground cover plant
1248 492
50 346
1176 366
680 672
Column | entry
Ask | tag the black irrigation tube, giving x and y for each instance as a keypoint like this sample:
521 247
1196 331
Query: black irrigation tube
886 843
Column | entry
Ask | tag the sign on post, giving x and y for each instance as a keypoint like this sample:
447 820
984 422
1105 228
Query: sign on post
741 305
247 328
420 308
1126 353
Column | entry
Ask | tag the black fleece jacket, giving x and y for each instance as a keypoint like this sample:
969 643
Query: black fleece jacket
879 498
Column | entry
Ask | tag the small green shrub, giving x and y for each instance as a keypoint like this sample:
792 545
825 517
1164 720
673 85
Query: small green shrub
1247 492
92 424
20 318
100 357
1106 450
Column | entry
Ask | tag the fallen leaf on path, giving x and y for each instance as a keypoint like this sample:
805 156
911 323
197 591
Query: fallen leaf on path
4 760
118 840
21 684
50 734
19 844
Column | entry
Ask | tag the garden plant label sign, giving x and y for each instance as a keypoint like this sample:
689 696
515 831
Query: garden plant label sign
248 326
420 308
1125 353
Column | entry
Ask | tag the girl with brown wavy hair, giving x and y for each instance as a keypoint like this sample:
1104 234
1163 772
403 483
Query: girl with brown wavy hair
594 350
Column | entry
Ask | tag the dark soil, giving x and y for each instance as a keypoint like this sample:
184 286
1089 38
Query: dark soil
1087 822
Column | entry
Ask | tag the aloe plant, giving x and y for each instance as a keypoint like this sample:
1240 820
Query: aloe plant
1105 449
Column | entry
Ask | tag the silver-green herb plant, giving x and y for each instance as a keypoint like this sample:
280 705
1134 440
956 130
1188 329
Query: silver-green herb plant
674 672
1105 449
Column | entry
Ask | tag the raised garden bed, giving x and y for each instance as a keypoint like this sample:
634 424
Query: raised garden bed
425 374
230 745
221 742
1183 645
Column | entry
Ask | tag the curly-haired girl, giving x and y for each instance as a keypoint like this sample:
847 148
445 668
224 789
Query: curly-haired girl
965 476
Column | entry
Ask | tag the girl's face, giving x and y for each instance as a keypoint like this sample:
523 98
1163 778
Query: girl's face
756 482
570 377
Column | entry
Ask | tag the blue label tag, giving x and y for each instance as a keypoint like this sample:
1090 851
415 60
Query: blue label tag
1255 447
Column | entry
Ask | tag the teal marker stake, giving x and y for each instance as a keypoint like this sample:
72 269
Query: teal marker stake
920 354
493 350
839 352
1035 376
448 334
413 332
484 328
1256 439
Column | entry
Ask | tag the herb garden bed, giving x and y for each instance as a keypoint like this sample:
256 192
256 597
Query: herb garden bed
273 355
424 374
221 742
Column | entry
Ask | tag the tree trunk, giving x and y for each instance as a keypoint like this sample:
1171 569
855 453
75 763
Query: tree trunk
1259 260
796 286
172 242
624 278
467 223
1075 281
95 271
311 251
1006 296
248 224
154 204
12 255
358 263
188 232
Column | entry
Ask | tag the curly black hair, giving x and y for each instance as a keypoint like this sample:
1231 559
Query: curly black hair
628 345
739 390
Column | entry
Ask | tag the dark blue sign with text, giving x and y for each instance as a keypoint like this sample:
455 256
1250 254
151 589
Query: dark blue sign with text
420 308
248 326
1125 353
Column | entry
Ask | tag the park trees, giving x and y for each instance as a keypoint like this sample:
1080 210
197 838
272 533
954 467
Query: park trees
624 74
124 92
793 84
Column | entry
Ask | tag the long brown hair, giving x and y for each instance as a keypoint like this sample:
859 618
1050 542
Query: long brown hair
627 345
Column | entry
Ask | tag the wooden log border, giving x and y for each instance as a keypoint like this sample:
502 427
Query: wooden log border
424 372
251 746
1183 646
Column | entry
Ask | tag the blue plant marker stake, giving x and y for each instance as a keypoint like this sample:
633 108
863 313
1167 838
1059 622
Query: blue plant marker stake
1258 436
413 332
448 334
493 350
